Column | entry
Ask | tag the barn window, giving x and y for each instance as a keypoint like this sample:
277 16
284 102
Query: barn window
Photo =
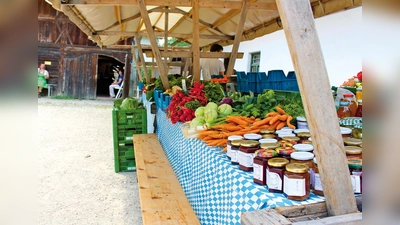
255 62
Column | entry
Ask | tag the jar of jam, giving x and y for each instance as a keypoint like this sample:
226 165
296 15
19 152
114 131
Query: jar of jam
303 136
317 183
346 132
355 166
285 152
268 136
352 141
229 145
283 135
246 154
235 151
296 182
260 165
274 174
267 140
304 148
291 139
305 158
353 152
255 137
269 146
266 131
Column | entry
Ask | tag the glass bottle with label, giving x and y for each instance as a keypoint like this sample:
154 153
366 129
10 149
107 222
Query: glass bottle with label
355 166
229 145
246 154
274 174
359 109
260 164
344 110
296 182
317 184
352 103
235 151
359 94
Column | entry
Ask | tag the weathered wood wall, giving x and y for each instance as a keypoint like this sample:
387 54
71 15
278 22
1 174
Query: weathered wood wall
72 55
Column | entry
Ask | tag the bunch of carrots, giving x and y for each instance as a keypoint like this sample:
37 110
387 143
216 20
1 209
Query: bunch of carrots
220 80
240 125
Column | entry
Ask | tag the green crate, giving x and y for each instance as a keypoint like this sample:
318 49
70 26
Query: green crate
129 117
124 159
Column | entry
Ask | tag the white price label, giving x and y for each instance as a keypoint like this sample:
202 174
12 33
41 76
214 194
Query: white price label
234 156
246 159
317 182
274 181
356 182
294 187
258 172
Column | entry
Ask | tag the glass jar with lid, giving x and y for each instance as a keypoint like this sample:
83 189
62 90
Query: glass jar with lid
303 136
229 145
305 158
359 109
355 166
260 164
316 182
268 136
267 140
352 141
346 132
291 139
235 151
353 152
352 103
274 174
303 148
269 146
246 154
254 137
285 152
344 110
296 182
359 93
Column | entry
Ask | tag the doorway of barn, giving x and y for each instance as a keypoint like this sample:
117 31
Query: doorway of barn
107 70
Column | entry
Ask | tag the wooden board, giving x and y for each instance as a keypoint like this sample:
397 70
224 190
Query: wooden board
264 217
161 197
348 219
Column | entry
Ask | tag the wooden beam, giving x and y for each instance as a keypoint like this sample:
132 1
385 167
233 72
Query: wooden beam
264 217
162 34
238 38
189 54
179 22
231 13
135 58
312 77
348 219
196 41
162 68
123 21
127 77
179 3
168 64
166 31
138 39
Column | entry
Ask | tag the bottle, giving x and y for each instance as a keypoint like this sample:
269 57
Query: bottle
359 94
344 110
359 109
353 105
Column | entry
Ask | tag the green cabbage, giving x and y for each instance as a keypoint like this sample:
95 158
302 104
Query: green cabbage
210 116
211 105
199 111
198 121
225 109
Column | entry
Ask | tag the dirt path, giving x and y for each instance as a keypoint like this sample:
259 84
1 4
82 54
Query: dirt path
77 182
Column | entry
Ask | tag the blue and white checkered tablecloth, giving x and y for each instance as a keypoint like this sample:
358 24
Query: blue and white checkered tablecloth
217 190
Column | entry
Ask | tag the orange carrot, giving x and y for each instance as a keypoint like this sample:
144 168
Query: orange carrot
273 126
288 122
280 110
207 138
280 125
237 120
274 119
264 127
271 114
262 122
283 117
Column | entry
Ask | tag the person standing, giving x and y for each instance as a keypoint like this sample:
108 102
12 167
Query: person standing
116 84
43 76
210 67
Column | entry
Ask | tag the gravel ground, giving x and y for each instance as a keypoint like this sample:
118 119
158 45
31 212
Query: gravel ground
77 182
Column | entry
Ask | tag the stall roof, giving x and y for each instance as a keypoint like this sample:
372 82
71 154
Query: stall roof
108 21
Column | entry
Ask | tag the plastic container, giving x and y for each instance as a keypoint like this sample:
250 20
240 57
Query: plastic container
276 79
296 182
301 122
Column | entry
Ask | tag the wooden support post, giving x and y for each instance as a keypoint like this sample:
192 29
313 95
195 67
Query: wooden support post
156 51
141 56
186 68
137 63
153 75
196 41
301 34
238 38
127 76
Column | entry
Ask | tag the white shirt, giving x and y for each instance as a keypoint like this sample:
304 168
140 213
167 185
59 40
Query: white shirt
211 67
45 73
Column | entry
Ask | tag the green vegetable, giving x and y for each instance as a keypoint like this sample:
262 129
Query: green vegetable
210 116
293 106
211 106
199 111
131 104
214 92
225 109
198 121
193 104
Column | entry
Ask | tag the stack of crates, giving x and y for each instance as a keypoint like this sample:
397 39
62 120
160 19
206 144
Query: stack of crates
125 124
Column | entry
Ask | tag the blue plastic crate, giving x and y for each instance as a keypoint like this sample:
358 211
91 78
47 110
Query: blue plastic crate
291 75
291 85
140 85
253 87
166 99
243 86
276 75
157 97
252 76
241 75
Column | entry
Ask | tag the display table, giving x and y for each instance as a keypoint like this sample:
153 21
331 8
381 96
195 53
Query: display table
217 190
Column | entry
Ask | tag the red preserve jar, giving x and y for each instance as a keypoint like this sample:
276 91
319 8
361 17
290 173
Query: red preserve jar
296 182
260 164
229 145
274 174
246 154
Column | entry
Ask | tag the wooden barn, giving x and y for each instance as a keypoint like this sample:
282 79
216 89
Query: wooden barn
78 68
